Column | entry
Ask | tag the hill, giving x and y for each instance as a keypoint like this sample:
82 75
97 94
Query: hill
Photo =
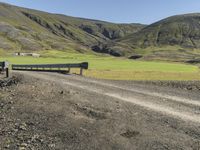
26 29
176 37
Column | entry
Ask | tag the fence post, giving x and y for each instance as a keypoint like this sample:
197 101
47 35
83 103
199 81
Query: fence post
3 66
6 68
81 71
7 72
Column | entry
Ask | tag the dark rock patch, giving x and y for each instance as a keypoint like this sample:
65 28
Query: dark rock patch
193 61
103 49
130 134
135 57
9 82
90 112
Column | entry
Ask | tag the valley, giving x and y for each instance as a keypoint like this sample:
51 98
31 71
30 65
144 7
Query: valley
172 39
140 91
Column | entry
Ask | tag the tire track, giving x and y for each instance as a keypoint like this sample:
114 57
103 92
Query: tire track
144 103
113 92
161 95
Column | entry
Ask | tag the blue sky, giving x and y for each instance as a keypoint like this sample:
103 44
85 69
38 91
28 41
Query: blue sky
119 11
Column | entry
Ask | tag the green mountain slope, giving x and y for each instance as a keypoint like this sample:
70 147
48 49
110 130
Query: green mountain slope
182 30
26 29
176 37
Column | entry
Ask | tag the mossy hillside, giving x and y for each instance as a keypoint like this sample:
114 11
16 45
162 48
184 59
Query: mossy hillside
177 36
27 29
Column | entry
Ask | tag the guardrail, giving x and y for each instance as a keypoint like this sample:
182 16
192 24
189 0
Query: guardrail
51 67
4 67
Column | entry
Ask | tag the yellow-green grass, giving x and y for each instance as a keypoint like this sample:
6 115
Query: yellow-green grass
106 67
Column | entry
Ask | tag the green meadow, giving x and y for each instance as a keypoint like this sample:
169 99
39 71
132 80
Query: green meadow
107 67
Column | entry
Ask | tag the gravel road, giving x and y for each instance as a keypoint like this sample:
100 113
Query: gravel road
178 105
114 114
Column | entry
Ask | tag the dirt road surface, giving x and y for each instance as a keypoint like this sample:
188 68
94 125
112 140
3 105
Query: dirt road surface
54 111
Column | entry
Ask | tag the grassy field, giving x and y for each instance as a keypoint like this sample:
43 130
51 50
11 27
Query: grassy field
107 67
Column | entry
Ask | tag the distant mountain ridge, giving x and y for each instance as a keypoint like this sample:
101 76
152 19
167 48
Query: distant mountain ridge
183 30
27 29
176 38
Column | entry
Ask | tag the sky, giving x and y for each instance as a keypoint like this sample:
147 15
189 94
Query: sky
118 11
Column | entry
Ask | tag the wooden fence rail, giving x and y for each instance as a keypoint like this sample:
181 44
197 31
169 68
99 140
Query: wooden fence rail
51 67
